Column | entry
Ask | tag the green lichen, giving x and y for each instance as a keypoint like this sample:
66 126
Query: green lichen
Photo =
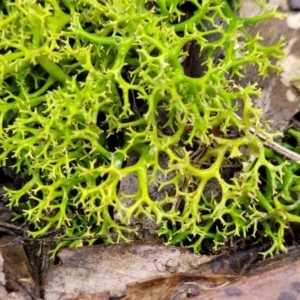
70 74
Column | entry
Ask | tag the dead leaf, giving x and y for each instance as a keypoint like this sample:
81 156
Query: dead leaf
17 270
10 296
282 283
97 268
97 296
279 99
275 262
175 287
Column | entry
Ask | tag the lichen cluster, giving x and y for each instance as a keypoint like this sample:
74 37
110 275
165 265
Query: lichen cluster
82 84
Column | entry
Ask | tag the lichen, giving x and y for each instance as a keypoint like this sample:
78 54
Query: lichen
81 83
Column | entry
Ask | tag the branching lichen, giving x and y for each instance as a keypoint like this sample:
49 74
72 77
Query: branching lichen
71 74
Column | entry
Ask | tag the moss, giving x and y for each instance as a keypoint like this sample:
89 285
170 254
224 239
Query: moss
71 74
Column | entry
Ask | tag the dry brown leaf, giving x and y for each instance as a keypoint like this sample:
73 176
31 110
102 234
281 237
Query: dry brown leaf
175 287
17 272
277 261
279 98
97 296
97 268
4 295
281 284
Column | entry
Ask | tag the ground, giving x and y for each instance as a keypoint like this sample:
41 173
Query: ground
28 272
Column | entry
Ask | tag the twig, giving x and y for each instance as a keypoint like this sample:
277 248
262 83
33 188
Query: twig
234 166
16 241
275 146
26 289
280 149
11 227
198 154
21 240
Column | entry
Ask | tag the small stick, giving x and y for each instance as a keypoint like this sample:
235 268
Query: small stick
275 146
21 240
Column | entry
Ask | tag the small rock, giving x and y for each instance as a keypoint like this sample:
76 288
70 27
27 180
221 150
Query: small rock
294 4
